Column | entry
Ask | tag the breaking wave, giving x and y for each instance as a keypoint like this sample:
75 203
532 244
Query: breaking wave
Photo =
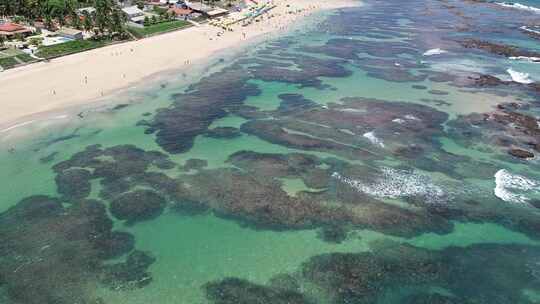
374 139
519 6
524 58
519 76
510 187
530 30
436 51
398 183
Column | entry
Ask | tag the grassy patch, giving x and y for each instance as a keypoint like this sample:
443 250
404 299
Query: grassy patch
8 62
158 28
70 47
13 57
25 58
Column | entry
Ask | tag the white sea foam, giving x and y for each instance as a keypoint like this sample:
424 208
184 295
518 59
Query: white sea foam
374 139
17 126
519 76
398 183
436 51
527 29
519 6
405 118
511 187
525 58
411 117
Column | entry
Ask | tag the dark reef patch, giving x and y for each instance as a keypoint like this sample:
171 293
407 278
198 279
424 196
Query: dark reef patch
339 128
137 206
193 111
332 234
129 274
294 103
487 273
507 127
51 253
74 183
238 291
223 133
257 200
294 165
481 274
306 73
498 49
49 158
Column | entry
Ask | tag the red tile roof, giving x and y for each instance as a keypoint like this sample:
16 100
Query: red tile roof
11 27
180 11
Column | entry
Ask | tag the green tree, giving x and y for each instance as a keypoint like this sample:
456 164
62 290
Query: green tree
75 20
88 23
102 17
140 4
117 23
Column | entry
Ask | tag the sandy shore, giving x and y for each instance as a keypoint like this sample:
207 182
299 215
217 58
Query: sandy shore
86 77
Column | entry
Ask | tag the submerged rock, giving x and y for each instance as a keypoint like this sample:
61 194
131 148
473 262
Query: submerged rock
521 153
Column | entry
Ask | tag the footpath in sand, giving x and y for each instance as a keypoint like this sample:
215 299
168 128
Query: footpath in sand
27 92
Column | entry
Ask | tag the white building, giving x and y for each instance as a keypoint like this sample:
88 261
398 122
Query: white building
134 14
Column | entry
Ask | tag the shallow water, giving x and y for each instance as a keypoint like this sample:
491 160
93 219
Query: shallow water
264 187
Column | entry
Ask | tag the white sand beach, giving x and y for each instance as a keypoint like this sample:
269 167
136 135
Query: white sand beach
87 77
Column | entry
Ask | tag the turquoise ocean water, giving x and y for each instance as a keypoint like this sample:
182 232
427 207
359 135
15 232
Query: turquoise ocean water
340 163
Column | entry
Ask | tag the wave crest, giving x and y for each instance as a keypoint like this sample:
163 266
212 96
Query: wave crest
519 6
398 183
507 184
519 77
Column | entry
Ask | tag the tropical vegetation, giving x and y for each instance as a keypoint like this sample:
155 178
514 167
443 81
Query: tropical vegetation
107 19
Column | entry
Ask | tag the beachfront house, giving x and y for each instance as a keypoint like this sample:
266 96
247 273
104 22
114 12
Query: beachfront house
134 14
10 30
70 33
180 13
205 10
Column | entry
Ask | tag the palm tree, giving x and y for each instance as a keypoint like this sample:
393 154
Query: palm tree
75 20
117 23
87 25
104 10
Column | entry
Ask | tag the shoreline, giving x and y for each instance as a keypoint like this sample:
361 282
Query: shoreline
95 77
